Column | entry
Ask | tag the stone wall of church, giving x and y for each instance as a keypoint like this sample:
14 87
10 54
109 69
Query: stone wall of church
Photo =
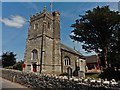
57 57
73 58
56 43
47 60
44 36
30 46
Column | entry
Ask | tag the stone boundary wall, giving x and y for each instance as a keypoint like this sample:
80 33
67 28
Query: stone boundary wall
41 81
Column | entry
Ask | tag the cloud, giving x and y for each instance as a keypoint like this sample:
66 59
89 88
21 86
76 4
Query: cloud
14 21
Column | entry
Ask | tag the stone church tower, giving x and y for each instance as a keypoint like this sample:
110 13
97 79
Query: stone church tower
43 43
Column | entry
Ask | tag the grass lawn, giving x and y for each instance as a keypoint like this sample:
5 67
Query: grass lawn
92 75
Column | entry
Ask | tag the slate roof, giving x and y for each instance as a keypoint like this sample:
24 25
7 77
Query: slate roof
66 48
91 59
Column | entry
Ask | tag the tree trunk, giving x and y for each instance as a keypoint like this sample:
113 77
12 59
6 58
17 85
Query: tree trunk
105 55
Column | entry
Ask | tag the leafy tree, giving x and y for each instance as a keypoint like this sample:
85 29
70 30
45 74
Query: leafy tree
114 55
97 31
111 73
18 65
8 59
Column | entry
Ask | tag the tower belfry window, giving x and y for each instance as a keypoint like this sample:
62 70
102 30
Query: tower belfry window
49 25
36 26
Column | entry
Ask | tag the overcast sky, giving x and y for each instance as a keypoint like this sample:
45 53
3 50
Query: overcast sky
15 24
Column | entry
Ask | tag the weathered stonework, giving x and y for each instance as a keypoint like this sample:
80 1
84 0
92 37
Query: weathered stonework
44 52
37 81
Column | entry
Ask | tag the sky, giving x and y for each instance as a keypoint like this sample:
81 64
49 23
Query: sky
15 17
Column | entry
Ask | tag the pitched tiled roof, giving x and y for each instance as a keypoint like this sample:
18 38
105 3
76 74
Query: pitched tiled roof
91 59
66 48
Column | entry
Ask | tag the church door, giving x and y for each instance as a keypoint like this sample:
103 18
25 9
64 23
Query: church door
34 67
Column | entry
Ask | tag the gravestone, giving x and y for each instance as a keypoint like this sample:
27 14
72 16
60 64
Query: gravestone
69 71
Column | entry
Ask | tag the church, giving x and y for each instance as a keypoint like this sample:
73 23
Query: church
44 52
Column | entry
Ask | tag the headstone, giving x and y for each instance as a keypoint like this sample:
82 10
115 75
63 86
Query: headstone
69 71
81 73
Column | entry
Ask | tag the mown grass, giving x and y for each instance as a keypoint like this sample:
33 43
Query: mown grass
92 75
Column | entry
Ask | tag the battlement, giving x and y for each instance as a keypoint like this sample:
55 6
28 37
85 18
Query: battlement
44 13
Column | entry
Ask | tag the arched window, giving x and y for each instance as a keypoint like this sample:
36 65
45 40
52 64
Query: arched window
34 55
67 60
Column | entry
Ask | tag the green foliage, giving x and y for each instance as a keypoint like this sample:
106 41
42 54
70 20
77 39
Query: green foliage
92 75
9 67
8 59
98 31
110 73
114 55
114 59
18 65
64 74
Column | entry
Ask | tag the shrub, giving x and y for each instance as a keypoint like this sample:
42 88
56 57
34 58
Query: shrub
110 73
9 67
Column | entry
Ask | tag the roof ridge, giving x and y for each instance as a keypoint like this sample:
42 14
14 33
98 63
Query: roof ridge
75 51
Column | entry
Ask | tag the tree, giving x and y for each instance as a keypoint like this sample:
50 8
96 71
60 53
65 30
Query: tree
97 31
114 56
18 65
8 59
